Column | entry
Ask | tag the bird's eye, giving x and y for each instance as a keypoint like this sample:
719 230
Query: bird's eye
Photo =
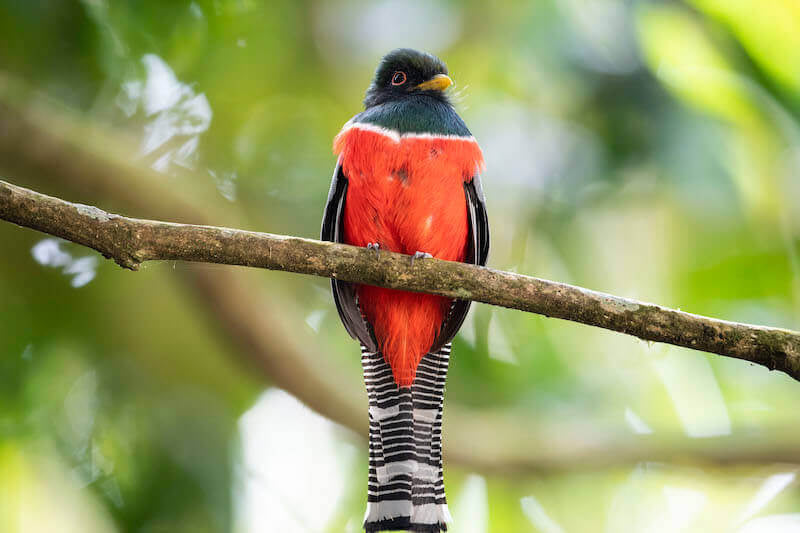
399 78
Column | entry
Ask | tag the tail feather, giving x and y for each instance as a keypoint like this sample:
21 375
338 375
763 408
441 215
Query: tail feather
405 485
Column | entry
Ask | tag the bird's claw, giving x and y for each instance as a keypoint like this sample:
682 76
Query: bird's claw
375 247
420 255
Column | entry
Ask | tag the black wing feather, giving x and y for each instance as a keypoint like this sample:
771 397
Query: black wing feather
480 223
344 293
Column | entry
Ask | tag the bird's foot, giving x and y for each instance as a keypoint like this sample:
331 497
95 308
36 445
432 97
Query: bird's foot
374 246
420 255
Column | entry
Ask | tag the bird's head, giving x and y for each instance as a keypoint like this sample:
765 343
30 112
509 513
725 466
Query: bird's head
405 72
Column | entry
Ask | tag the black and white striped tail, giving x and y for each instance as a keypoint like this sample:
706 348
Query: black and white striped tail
406 487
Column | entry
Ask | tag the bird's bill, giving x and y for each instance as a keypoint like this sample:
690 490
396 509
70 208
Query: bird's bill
440 82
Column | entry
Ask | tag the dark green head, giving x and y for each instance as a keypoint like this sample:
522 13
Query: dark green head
405 72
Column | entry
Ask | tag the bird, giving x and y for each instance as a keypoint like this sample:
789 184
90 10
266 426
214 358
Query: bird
407 180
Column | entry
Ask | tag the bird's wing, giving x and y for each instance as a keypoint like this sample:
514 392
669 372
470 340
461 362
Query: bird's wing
344 293
479 222
477 253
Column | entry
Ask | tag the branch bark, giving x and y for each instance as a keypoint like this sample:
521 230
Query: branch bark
131 241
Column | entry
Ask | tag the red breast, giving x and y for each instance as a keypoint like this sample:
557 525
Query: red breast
406 193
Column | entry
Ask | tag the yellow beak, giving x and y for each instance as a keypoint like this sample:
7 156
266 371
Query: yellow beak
440 82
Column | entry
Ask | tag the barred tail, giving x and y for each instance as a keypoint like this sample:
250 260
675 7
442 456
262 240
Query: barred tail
406 487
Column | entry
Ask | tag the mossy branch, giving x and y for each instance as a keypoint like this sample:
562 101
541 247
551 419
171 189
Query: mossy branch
131 241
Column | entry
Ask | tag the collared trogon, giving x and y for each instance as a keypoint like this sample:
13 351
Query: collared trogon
407 180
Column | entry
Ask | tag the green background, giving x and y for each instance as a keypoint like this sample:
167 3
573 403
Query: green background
646 149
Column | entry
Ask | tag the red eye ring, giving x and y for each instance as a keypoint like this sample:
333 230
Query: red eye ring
399 78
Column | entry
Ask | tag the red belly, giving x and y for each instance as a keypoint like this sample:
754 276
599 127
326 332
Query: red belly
407 196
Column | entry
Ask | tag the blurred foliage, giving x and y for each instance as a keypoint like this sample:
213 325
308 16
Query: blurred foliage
647 149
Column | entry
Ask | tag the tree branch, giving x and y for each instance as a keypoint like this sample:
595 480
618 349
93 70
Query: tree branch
132 241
